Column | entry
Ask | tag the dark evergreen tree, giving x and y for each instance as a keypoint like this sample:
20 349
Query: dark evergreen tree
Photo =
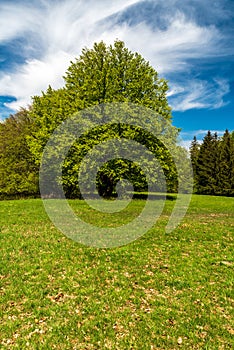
225 165
232 161
194 151
206 165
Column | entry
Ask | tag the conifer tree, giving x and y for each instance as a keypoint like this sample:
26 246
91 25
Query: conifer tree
194 151
232 163
225 165
206 166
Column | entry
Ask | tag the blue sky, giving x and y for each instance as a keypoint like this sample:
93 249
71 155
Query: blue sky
189 42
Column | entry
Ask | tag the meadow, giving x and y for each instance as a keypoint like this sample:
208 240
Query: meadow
163 291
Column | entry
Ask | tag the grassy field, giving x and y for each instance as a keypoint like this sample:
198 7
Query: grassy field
163 291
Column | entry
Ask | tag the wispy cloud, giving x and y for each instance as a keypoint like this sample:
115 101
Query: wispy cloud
168 50
52 33
199 94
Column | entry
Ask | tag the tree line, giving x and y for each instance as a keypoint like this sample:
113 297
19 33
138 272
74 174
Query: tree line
102 74
213 164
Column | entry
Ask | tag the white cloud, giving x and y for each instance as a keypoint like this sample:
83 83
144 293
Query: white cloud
199 94
186 144
17 19
57 31
61 30
168 50
34 77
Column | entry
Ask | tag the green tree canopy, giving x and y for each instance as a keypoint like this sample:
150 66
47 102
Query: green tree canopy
103 74
100 75
47 112
114 73
18 172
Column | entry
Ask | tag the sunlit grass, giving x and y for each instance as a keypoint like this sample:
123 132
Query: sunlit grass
163 291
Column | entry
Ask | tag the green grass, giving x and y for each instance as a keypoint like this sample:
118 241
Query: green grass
163 291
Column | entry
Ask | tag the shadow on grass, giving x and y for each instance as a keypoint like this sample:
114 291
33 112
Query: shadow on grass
137 195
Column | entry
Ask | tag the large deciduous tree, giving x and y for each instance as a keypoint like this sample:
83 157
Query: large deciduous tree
114 73
103 74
